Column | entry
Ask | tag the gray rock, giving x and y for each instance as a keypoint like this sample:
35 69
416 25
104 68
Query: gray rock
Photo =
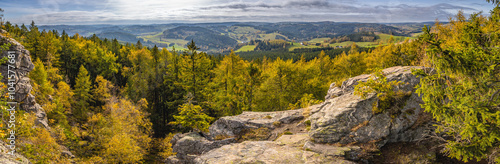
329 150
189 144
173 160
265 152
346 118
66 153
23 66
234 125
9 158
295 140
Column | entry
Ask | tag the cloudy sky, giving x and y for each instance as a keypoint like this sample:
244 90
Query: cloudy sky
169 11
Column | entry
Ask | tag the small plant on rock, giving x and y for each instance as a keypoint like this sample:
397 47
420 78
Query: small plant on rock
389 99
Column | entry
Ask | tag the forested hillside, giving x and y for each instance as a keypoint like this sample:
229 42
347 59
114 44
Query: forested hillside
220 37
121 103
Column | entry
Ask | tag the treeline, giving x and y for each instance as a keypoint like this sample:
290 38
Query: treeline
307 31
269 45
298 53
364 36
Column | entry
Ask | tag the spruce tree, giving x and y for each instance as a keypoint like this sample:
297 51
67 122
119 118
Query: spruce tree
82 94
463 92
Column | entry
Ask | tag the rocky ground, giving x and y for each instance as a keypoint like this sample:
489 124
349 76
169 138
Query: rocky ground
342 129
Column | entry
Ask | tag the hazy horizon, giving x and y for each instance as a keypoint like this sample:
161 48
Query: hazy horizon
126 12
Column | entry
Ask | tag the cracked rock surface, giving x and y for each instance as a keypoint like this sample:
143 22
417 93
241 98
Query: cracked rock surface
264 152
346 118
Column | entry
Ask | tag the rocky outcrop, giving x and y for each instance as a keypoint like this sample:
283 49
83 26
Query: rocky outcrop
189 145
345 118
20 67
234 125
23 66
344 127
264 152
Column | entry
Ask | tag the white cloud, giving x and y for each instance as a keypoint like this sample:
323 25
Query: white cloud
154 11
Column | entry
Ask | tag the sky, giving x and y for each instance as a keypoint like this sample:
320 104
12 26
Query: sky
74 12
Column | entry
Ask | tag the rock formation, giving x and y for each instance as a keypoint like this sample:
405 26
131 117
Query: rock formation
346 118
340 130
23 97
23 66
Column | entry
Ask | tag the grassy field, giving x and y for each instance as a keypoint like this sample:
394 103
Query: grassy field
386 37
297 45
246 48
271 36
360 44
318 40
417 34
155 38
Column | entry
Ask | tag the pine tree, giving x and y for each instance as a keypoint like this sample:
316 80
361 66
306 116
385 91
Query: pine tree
82 94
463 92
192 116
195 72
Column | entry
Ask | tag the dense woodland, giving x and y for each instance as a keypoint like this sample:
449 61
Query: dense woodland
109 102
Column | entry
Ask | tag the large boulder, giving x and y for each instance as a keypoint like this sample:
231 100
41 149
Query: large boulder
264 152
193 144
235 125
346 118
22 66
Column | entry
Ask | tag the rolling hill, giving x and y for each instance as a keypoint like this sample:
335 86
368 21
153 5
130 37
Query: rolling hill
221 37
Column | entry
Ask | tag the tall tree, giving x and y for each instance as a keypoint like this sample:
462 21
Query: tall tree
82 94
463 93
195 72
228 85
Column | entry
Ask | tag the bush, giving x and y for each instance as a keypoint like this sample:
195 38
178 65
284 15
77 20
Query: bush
389 100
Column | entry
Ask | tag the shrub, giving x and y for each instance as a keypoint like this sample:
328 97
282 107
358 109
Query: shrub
389 100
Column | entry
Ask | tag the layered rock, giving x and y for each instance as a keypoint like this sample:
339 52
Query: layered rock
189 146
23 66
264 152
346 118
234 125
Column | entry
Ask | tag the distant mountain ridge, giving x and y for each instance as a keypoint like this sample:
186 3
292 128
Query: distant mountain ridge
220 37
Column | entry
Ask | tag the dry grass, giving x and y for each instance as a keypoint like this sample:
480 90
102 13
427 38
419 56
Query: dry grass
276 123
221 137
260 134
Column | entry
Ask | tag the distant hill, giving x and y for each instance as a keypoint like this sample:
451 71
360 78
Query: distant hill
204 38
121 36
220 37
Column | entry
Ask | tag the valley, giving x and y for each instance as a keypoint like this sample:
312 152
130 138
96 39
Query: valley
223 37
